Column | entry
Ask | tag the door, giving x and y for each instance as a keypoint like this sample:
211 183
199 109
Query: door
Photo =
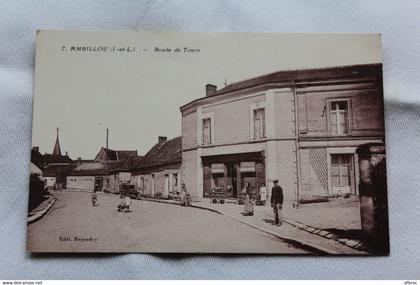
342 180
99 183
166 189
231 180
153 185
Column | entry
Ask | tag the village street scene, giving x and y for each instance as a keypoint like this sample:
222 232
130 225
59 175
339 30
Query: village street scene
291 162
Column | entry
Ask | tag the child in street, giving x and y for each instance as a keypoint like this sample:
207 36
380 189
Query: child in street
94 198
127 203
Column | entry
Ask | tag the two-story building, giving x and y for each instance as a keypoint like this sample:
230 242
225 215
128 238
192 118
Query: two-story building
301 127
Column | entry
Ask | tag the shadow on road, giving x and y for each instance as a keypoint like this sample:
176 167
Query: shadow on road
269 221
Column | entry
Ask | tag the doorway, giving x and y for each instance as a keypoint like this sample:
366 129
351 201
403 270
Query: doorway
230 173
342 173
99 183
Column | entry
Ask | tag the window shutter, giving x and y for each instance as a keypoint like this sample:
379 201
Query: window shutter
256 125
206 180
207 131
343 122
259 123
334 129
263 122
260 173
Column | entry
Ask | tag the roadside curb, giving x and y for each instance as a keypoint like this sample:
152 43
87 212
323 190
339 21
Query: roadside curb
40 214
352 243
304 244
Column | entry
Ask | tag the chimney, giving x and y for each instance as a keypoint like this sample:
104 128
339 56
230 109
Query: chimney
79 161
35 148
162 139
210 89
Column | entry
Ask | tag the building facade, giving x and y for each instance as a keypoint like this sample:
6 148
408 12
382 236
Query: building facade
92 175
301 127
54 166
159 173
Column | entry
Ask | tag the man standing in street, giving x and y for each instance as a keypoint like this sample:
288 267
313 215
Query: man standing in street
277 202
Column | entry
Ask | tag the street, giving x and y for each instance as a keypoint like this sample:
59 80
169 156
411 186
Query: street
74 225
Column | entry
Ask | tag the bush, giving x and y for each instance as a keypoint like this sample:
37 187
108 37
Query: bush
37 191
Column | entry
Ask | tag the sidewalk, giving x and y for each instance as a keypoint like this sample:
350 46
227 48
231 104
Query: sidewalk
292 231
328 220
41 210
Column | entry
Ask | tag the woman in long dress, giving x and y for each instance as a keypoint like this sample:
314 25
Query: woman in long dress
249 203
263 194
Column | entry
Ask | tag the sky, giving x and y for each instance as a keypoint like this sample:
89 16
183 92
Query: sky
136 93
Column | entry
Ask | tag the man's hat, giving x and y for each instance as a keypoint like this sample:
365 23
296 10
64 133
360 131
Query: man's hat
275 180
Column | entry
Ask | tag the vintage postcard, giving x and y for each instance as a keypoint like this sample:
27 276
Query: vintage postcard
208 143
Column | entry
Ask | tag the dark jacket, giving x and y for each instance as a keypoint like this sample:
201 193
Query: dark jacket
249 191
277 195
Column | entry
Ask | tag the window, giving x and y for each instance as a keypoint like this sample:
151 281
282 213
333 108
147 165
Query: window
167 183
339 117
175 179
340 170
207 131
218 176
259 123
141 183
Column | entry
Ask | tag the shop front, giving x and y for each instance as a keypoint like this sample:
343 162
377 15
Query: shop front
228 174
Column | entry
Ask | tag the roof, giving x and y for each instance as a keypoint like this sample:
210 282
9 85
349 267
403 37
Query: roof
162 153
37 158
111 154
134 162
96 168
287 76
53 169
50 158
57 149
35 169
44 160
117 154
126 154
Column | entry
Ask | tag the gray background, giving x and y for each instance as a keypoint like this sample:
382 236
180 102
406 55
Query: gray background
399 23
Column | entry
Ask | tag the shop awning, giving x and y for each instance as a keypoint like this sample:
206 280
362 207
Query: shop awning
247 166
217 168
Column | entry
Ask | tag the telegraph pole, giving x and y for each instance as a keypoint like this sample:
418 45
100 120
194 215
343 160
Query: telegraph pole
106 162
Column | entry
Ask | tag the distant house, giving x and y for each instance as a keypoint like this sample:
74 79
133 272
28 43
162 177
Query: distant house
55 174
90 175
158 173
106 154
34 169
54 166
37 163
93 174
56 169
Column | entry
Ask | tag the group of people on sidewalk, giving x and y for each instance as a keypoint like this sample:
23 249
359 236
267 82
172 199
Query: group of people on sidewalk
276 200
185 196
